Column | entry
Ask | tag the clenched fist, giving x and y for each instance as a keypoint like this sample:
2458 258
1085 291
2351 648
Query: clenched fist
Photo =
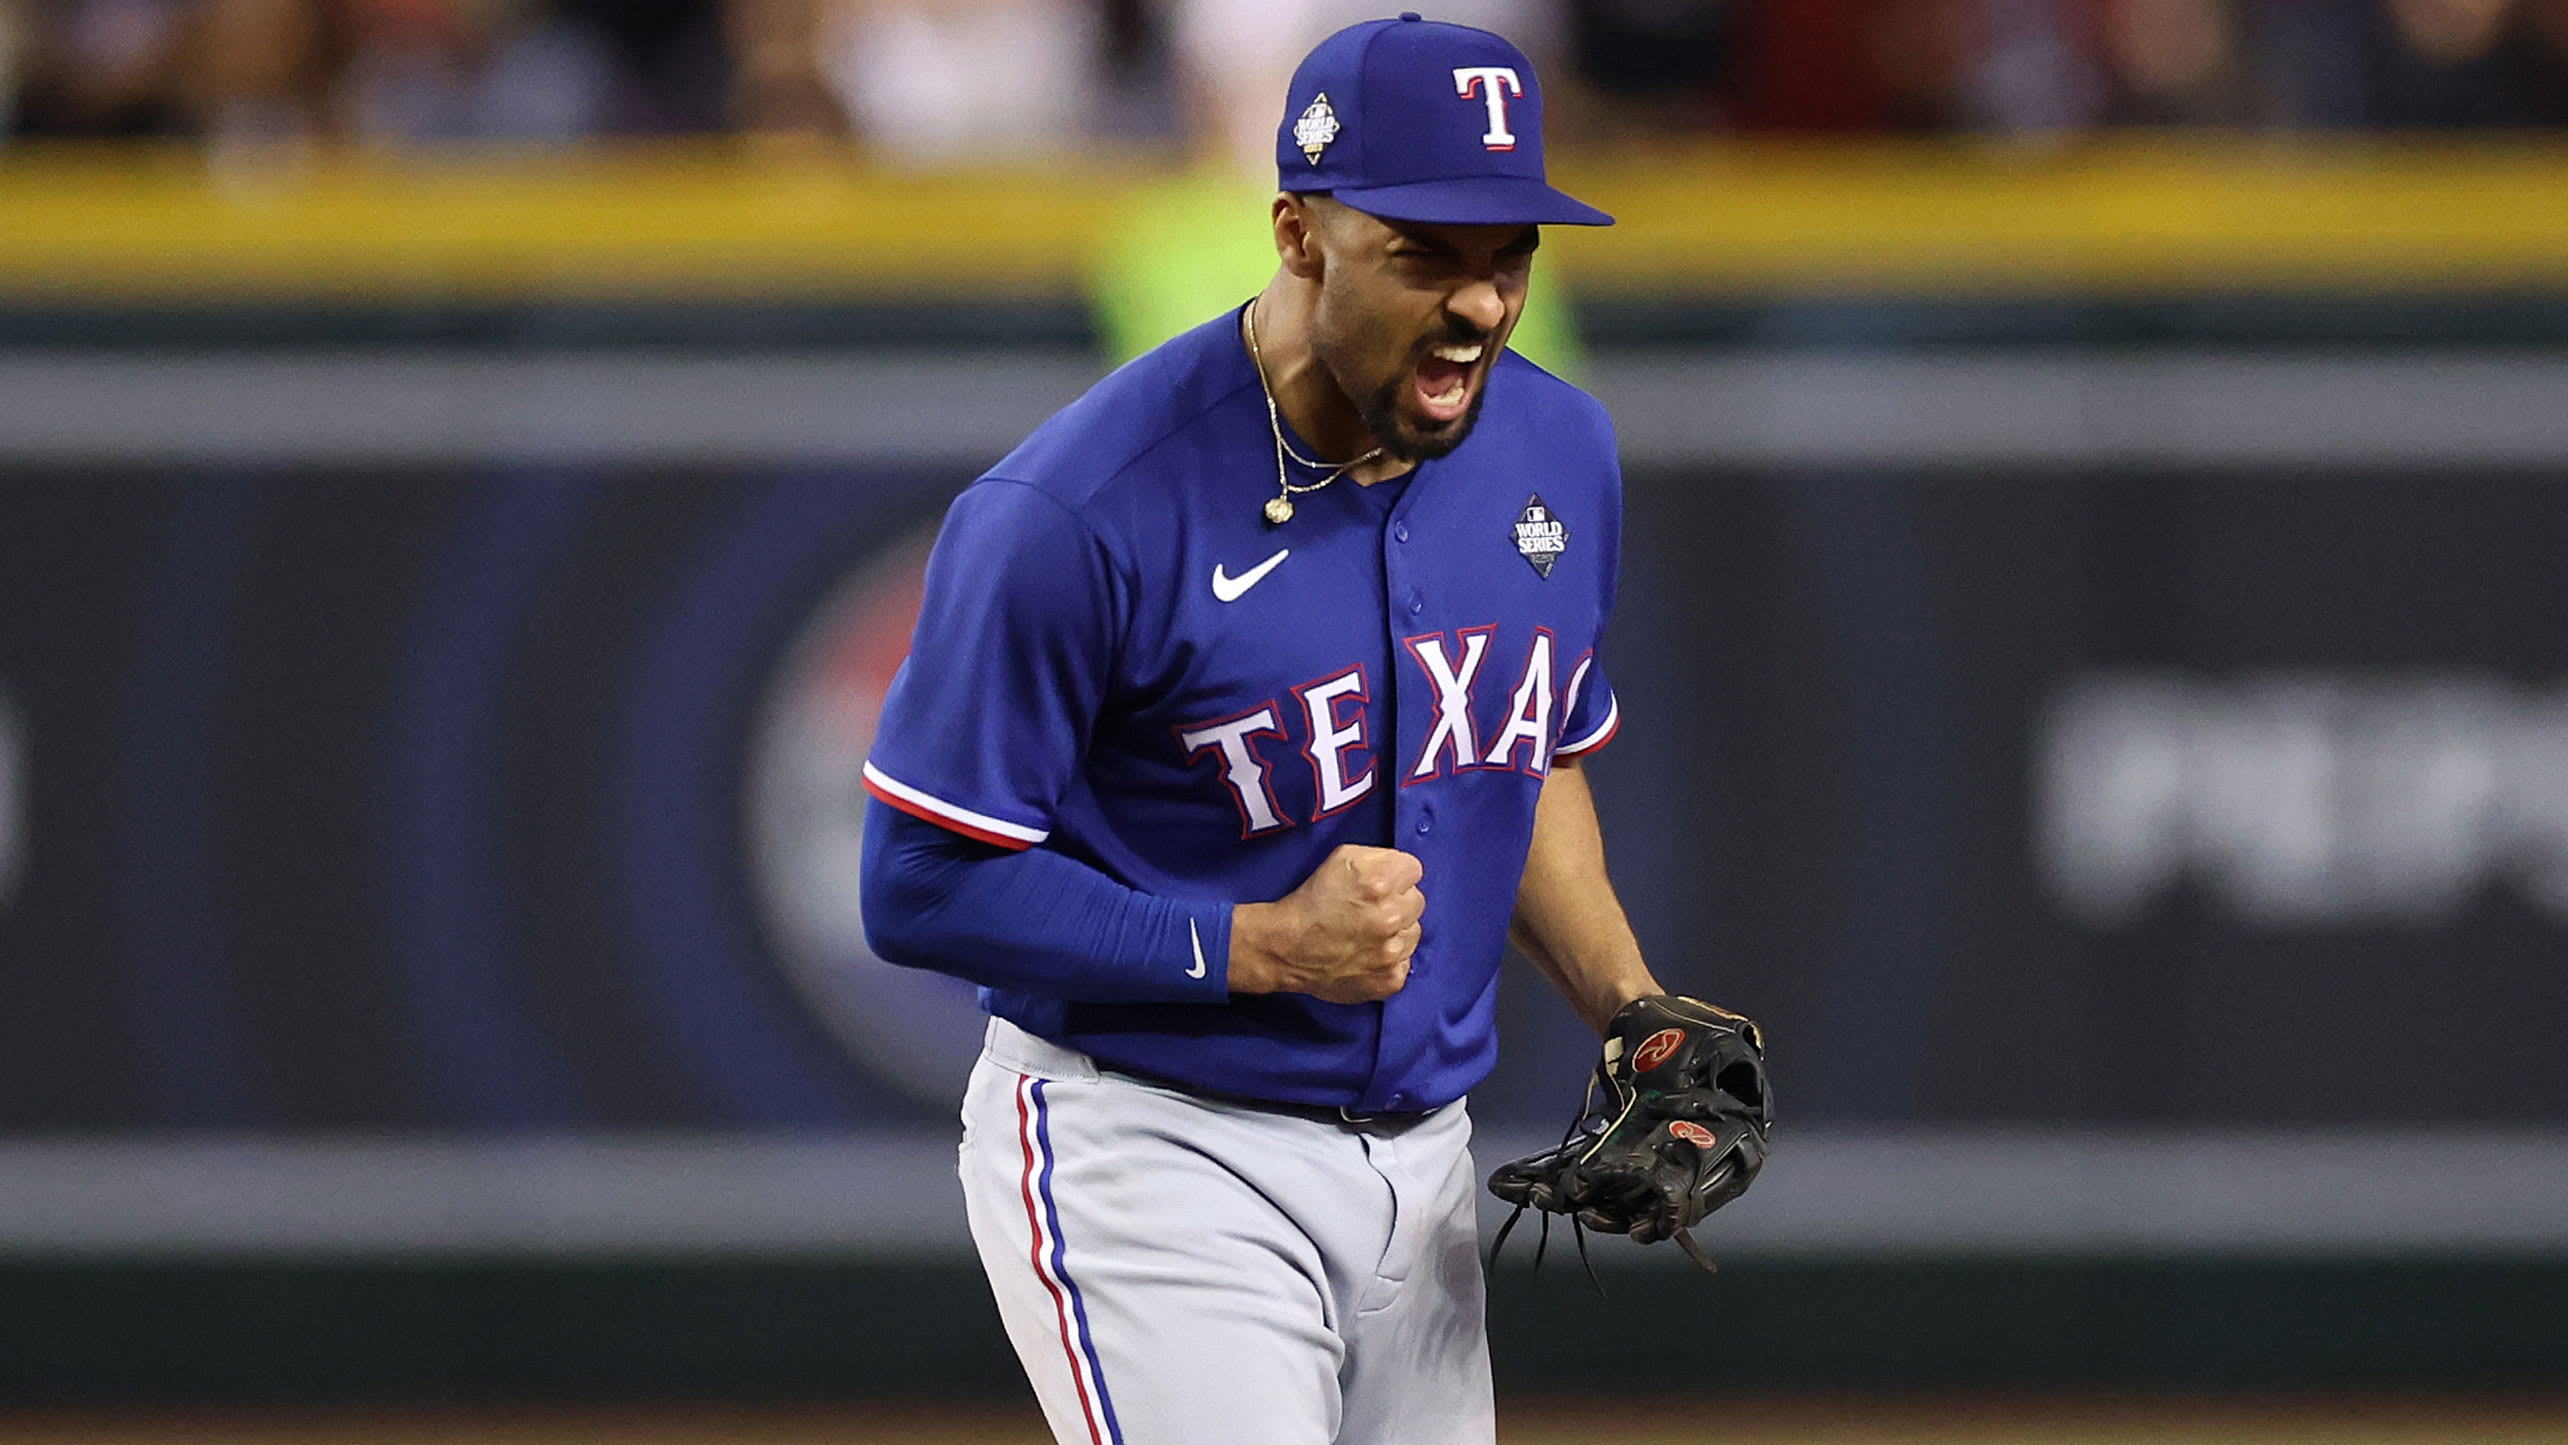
1345 935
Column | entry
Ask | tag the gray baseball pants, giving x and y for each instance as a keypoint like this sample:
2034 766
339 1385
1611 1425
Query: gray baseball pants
1176 1270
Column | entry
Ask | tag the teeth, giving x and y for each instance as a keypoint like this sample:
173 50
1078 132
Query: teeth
1465 355
1449 395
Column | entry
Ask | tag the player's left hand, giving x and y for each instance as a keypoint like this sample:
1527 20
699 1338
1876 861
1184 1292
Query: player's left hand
1683 1130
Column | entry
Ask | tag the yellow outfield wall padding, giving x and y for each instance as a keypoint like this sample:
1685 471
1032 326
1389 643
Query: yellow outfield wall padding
723 221
2186 212
94 225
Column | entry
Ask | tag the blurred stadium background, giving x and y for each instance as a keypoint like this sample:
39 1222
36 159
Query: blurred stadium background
2095 636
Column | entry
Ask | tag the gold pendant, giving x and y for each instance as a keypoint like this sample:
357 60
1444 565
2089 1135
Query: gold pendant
1279 510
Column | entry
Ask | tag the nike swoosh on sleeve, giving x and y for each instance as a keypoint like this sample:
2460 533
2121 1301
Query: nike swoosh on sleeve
1231 589
1198 940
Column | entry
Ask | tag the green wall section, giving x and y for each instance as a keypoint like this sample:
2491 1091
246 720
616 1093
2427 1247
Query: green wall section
386 1333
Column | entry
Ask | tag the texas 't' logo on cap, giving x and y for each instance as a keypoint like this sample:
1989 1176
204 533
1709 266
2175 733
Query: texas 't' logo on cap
1495 83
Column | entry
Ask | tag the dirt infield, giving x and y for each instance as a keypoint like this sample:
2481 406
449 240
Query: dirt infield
1710 1421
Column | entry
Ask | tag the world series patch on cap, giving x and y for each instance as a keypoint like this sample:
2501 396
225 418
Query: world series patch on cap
1418 120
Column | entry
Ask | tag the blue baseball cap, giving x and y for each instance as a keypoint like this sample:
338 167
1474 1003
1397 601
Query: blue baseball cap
1417 120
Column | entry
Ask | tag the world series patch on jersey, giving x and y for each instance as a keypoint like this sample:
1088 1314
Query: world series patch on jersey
1540 537
1120 659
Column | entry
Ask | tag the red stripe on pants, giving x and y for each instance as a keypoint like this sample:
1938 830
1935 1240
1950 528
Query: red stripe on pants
1034 1222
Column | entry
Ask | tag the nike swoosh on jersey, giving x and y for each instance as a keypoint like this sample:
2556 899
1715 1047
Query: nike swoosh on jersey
1198 940
1231 589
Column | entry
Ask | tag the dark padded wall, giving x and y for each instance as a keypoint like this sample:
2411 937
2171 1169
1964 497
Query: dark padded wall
420 798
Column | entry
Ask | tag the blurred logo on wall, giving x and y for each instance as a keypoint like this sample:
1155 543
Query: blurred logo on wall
13 797
2304 799
914 1030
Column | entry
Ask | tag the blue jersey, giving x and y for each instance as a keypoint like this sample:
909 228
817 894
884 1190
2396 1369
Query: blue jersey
1120 659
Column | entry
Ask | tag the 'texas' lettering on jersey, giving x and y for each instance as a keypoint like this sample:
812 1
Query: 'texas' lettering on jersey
1331 724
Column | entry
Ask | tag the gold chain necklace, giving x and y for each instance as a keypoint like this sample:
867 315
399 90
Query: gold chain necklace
1279 508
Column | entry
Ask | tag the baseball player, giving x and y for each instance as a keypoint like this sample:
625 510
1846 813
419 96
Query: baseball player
1241 730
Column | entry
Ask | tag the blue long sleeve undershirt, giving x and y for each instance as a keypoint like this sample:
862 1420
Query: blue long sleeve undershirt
1032 921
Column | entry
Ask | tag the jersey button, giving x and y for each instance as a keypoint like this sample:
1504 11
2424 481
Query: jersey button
1417 603
1426 825
1400 531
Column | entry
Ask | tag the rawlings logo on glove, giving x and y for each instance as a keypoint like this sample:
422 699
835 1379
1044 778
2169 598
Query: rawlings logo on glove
1682 1128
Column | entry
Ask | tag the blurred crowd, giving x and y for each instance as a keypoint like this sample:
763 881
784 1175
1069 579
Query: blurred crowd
930 82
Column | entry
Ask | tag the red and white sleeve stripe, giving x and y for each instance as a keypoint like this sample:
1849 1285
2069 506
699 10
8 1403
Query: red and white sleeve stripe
1603 733
919 803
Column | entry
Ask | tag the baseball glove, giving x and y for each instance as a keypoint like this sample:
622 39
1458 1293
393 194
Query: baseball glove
1682 1128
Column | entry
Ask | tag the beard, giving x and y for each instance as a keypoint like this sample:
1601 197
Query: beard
1379 407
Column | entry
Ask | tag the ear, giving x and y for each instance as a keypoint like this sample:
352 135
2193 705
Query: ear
1297 224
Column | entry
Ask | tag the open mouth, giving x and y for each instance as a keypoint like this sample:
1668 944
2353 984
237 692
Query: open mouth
1445 379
